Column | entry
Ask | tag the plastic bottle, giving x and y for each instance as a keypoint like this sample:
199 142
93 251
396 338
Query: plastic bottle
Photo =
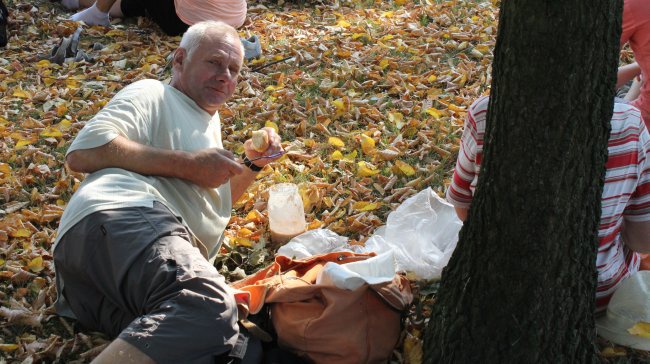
286 212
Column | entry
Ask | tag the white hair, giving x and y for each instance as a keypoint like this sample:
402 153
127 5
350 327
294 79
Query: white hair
197 32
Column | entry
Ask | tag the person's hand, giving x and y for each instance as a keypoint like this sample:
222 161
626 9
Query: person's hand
274 148
212 167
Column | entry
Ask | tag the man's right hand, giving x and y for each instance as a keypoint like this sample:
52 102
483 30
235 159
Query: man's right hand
212 167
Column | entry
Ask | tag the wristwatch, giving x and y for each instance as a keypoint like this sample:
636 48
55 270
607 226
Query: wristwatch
250 165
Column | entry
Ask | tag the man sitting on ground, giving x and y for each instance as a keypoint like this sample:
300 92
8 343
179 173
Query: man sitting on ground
624 229
135 242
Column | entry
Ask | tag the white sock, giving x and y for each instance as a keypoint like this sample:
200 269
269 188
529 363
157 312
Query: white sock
92 16
70 4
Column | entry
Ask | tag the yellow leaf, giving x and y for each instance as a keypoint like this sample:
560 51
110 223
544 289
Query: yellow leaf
405 168
350 157
315 224
340 105
387 37
343 53
367 144
23 143
432 78
154 58
640 329
453 107
8 347
309 143
343 24
243 242
359 35
366 170
21 233
273 125
71 83
255 216
43 63
387 14
396 118
274 88
335 142
2 262
36 264
400 2
51 132
244 232
433 112
365 206
114 33
610 352
384 63
21 93
336 156
5 168
482 48
64 124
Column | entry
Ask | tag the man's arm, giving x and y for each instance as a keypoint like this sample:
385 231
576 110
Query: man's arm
207 168
636 235
461 212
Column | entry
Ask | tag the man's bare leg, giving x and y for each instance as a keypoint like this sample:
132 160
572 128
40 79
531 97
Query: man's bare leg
120 351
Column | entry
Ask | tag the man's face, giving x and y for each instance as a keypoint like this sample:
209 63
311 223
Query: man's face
209 74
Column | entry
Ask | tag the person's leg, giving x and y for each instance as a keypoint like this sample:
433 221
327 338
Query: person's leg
133 273
163 13
97 14
116 10
104 5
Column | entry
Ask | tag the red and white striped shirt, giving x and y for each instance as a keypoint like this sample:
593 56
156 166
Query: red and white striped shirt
626 193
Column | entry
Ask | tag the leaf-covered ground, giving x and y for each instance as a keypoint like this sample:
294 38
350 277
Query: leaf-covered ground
369 98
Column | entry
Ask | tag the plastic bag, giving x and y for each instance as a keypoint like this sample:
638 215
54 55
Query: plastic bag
422 232
315 242
375 270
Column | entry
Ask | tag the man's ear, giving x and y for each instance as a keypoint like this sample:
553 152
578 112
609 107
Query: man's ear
180 54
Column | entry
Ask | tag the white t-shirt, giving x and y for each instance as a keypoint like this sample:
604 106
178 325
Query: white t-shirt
158 115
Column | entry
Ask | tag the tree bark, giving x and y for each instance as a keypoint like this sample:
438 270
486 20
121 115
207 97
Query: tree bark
520 287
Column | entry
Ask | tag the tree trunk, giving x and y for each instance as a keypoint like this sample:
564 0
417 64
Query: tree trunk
520 287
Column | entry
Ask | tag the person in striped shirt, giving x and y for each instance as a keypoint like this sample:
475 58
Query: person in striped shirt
624 229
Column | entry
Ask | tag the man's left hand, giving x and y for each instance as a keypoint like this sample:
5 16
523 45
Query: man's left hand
274 148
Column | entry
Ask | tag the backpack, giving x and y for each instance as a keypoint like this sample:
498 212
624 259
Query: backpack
327 324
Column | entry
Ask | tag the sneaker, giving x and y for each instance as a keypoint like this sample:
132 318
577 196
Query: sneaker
4 18
252 47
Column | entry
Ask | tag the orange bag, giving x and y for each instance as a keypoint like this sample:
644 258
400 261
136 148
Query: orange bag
326 324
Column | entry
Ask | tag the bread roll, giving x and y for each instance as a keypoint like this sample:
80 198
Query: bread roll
260 140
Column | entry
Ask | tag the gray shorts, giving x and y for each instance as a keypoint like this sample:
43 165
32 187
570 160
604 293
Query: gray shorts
132 273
